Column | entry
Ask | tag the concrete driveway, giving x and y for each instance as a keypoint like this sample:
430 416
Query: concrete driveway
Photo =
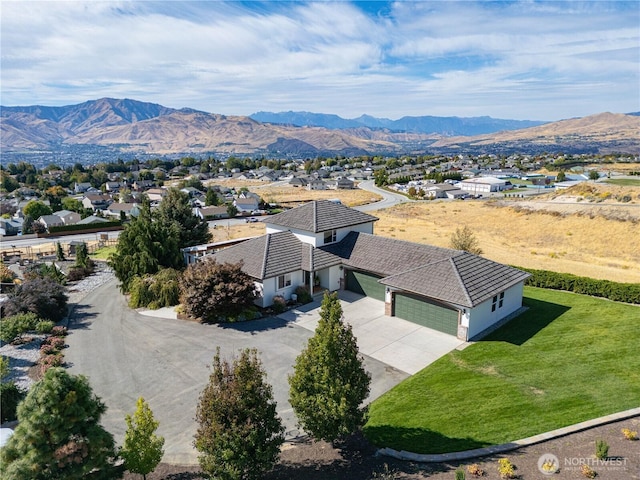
126 355
403 345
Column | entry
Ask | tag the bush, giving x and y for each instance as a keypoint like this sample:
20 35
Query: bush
78 273
460 474
587 471
304 296
14 326
59 331
629 435
279 304
43 270
44 326
56 342
48 361
156 291
602 450
475 470
506 469
213 292
42 296
10 396
618 292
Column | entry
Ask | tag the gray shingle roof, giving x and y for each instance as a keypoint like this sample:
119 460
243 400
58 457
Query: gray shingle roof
449 275
276 254
320 216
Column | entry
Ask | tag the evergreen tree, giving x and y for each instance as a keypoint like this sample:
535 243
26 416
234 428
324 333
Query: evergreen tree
239 432
59 252
142 449
59 434
175 209
144 246
329 383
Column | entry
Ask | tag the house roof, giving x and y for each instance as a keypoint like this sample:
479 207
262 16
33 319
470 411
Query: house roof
320 216
275 254
464 279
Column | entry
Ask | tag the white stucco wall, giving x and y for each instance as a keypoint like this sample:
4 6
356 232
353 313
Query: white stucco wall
270 288
317 239
481 317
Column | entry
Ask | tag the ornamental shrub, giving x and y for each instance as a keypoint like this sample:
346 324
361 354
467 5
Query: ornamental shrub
506 469
602 450
10 396
44 326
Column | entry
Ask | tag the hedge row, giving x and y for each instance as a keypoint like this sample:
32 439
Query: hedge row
75 227
618 292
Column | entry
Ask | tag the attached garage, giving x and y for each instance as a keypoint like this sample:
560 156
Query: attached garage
419 310
365 284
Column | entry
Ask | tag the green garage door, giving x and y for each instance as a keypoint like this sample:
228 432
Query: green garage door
365 284
418 310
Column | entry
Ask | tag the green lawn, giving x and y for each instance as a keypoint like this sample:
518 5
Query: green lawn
103 253
569 358
624 182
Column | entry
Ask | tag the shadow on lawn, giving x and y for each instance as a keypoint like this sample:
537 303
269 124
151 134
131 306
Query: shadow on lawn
527 325
419 440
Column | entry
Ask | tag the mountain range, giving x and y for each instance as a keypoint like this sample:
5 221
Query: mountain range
131 126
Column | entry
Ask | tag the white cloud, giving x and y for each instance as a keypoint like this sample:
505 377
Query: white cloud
521 60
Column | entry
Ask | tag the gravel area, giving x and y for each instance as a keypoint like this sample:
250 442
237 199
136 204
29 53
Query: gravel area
25 355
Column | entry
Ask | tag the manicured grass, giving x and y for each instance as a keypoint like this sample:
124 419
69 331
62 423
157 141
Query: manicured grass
103 253
568 359
624 182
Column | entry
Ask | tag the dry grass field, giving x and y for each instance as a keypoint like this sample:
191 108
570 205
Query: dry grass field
288 195
551 232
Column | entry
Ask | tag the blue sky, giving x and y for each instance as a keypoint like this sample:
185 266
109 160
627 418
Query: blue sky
537 60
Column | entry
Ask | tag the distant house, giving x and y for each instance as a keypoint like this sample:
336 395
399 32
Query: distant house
68 217
191 191
112 187
245 205
443 190
50 221
96 201
118 209
316 184
342 183
156 194
142 185
211 213
298 182
324 245
92 220
81 187
9 227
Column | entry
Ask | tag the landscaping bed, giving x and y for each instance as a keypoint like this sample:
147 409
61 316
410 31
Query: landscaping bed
320 461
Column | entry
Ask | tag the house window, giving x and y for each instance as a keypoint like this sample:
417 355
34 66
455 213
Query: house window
284 281
497 302
330 236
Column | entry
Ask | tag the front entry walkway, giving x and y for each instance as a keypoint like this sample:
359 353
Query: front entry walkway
400 344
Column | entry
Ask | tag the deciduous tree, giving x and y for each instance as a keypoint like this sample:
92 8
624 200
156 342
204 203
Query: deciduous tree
36 209
59 434
464 239
43 296
329 383
142 449
239 432
213 291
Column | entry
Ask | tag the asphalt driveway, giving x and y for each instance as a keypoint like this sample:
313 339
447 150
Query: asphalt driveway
126 355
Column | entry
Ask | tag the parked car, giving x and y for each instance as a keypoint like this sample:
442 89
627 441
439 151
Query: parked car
251 220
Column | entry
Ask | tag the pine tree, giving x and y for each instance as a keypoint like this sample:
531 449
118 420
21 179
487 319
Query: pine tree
59 252
329 383
239 432
59 434
142 449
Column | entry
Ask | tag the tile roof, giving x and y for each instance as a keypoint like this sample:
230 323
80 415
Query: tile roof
276 254
444 274
320 216
441 273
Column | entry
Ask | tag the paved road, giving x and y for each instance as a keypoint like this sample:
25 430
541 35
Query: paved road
389 199
127 355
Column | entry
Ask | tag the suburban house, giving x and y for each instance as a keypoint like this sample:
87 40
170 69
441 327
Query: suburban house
127 209
246 205
323 245
211 213
68 217
96 201
50 221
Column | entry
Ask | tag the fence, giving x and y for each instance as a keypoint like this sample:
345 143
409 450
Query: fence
48 251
